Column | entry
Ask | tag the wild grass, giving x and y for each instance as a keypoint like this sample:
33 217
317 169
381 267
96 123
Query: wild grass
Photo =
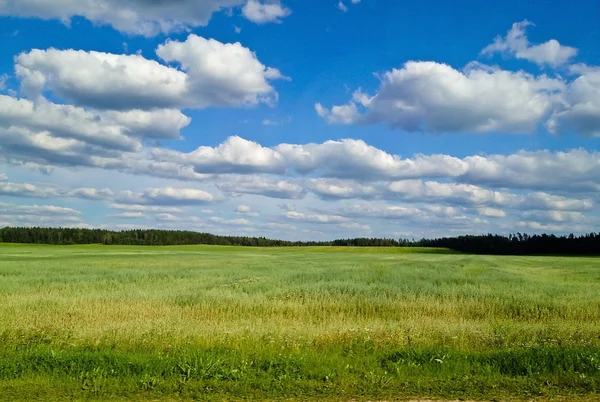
94 322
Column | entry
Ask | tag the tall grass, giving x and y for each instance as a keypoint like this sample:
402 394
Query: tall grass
92 321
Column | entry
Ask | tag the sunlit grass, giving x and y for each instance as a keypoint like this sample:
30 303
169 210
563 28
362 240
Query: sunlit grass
305 322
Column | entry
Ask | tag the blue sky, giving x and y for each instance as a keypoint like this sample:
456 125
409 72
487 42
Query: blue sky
301 119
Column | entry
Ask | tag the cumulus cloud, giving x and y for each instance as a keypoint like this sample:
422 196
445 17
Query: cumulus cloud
471 195
547 227
344 158
575 170
208 73
142 17
246 210
234 155
355 226
516 44
555 216
166 196
110 130
467 195
315 218
491 212
29 190
426 96
129 215
580 111
435 97
261 13
165 217
39 215
261 185
428 216
145 208
231 222
41 150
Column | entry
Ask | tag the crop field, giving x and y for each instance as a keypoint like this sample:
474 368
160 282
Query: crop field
336 324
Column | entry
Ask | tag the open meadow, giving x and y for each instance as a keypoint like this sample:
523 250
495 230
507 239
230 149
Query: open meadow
227 323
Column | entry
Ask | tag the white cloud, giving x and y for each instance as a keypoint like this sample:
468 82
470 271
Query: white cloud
129 215
29 190
342 7
209 73
39 215
315 218
110 130
3 79
145 208
438 216
471 195
235 155
222 74
355 226
279 226
37 210
164 217
434 97
468 195
548 227
166 196
261 13
516 43
344 158
261 185
555 216
140 17
232 222
246 210
340 189
575 170
491 212
581 110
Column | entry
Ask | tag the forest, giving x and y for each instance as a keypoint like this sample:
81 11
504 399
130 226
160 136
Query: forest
517 244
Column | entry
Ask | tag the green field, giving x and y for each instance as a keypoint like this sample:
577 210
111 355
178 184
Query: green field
339 324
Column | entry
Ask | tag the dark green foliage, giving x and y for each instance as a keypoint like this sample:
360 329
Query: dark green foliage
152 237
519 244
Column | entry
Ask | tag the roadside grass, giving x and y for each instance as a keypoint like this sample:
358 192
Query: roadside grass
231 323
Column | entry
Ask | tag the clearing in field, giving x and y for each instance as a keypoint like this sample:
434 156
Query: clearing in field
201 322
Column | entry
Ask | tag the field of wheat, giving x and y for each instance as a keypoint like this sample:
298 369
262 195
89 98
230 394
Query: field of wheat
228 323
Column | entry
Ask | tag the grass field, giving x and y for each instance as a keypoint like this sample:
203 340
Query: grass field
227 323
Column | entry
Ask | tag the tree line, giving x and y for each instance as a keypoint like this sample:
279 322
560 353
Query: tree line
518 244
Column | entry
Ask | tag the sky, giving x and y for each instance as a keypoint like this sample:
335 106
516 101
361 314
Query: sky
301 119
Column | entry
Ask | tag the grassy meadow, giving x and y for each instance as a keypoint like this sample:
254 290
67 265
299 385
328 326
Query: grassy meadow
232 323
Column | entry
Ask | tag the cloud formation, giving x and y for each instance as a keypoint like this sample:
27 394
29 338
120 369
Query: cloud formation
516 44
141 17
208 73
428 96
435 97
262 13
166 196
